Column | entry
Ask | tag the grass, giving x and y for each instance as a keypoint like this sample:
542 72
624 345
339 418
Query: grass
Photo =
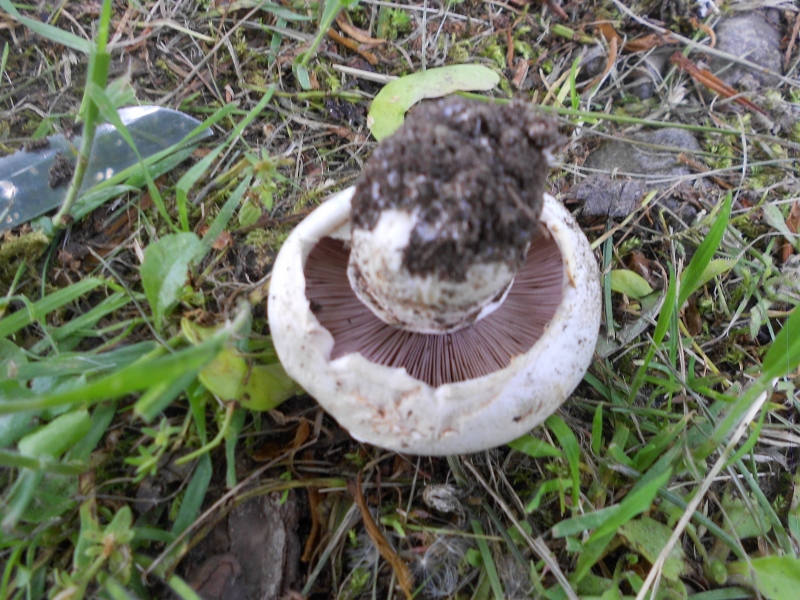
142 407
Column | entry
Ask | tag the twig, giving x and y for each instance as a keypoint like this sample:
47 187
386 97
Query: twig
366 75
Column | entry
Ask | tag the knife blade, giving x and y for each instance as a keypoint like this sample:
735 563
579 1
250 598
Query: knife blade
35 180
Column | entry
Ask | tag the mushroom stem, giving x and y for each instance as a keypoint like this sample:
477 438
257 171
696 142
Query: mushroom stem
445 212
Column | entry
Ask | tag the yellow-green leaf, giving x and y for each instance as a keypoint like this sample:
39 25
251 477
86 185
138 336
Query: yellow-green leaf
389 107
630 283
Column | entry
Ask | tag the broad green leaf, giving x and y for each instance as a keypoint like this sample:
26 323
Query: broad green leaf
776 220
54 495
715 268
231 377
630 283
267 387
165 269
14 426
740 518
389 107
776 577
648 537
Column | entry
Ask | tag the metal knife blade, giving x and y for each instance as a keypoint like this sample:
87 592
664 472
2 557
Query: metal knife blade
29 185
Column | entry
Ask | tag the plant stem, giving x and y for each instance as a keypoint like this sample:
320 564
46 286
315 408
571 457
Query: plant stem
99 61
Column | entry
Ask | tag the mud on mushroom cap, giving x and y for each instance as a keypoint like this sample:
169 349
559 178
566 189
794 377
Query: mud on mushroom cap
445 210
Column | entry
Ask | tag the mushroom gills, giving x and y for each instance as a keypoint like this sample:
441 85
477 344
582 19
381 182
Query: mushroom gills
524 310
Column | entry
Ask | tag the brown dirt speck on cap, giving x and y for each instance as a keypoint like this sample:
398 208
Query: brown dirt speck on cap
475 171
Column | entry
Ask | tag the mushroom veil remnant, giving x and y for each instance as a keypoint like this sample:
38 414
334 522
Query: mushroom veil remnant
446 304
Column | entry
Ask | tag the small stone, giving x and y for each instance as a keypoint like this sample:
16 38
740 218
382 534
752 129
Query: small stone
636 159
609 198
610 194
751 36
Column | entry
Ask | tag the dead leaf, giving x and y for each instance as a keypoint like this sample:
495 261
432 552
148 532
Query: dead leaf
353 45
793 224
356 33
313 535
648 42
608 32
404 578
712 82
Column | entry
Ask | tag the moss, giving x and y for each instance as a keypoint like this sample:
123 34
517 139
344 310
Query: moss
524 49
393 22
630 244
18 249
497 53
271 239
459 52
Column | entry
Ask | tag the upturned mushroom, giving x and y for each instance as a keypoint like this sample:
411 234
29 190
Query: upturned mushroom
446 304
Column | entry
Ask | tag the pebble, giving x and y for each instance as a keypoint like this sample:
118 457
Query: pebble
750 35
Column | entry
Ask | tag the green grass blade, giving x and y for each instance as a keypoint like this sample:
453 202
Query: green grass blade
109 112
195 494
636 501
783 355
134 378
223 218
488 562
693 274
40 309
572 451
668 310
182 589
54 34
193 175
158 397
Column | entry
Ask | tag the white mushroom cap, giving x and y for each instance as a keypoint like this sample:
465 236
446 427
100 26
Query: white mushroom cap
385 405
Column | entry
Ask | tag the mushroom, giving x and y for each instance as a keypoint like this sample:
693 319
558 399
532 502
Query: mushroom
445 304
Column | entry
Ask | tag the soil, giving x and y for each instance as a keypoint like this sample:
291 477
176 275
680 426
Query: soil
60 172
476 174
